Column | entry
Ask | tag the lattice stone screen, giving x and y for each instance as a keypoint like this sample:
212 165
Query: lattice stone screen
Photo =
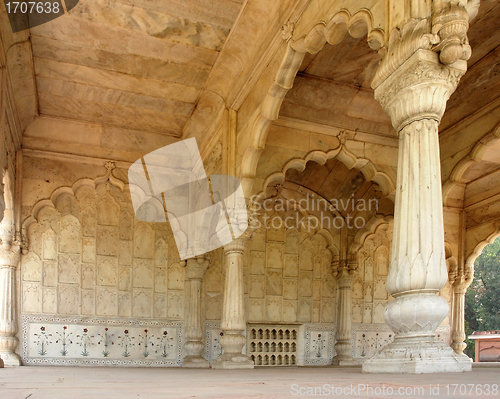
273 345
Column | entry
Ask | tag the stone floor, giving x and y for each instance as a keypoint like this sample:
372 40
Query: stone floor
124 383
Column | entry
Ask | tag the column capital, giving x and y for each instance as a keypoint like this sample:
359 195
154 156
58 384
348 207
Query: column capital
345 272
196 267
419 88
239 244
461 284
10 256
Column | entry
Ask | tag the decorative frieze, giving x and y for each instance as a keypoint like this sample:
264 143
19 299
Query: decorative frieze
101 342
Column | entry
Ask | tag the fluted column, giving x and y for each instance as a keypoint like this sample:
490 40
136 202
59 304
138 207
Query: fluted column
233 322
345 277
458 315
9 262
195 270
414 96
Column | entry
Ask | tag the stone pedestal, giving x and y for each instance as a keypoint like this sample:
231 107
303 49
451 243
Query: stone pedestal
345 278
195 270
414 96
233 322
9 262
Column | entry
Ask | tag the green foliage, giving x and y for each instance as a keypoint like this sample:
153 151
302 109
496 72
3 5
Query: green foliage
482 300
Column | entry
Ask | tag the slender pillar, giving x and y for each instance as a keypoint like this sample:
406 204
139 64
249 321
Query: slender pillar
414 95
9 262
233 322
345 278
195 270
458 315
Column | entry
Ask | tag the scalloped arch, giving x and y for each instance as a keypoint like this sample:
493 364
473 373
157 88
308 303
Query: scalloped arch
473 157
371 227
350 160
469 263
357 25
71 190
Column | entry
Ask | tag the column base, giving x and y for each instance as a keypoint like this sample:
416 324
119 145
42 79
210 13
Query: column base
344 360
195 362
9 360
229 361
417 355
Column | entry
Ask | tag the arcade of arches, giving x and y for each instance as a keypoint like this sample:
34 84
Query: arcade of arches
365 136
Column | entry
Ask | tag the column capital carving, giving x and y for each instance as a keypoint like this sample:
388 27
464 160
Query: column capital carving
345 272
239 244
419 88
196 267
461 284
10 256
445 33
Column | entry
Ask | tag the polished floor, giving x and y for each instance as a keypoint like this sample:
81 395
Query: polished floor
305 382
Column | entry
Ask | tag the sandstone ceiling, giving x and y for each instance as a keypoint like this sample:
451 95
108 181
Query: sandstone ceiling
333 86
133 64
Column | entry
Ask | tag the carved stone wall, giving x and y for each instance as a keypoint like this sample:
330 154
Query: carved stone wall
369 296
213 286
288 277
89 257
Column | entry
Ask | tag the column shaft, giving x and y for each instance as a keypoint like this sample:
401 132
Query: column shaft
415 96
343 345
458 316
233 322
9 261
195 270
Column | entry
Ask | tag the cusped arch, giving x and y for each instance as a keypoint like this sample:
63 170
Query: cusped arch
357 25
370 228
73 189
369 170
478 249
474 156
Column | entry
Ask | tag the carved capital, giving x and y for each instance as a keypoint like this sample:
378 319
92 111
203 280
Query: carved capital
461 284
240 243
451 24
196 267
419 88
10 257
346 273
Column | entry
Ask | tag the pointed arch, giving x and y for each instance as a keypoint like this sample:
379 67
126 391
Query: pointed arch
371 228
369 170
478 249
474 156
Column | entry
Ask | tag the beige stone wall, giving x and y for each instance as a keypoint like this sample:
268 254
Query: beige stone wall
89 256
369 296
289 277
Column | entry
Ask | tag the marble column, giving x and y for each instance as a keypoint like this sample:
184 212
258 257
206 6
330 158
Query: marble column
414 95
233 322
460 286
195 270
9 263
345 277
